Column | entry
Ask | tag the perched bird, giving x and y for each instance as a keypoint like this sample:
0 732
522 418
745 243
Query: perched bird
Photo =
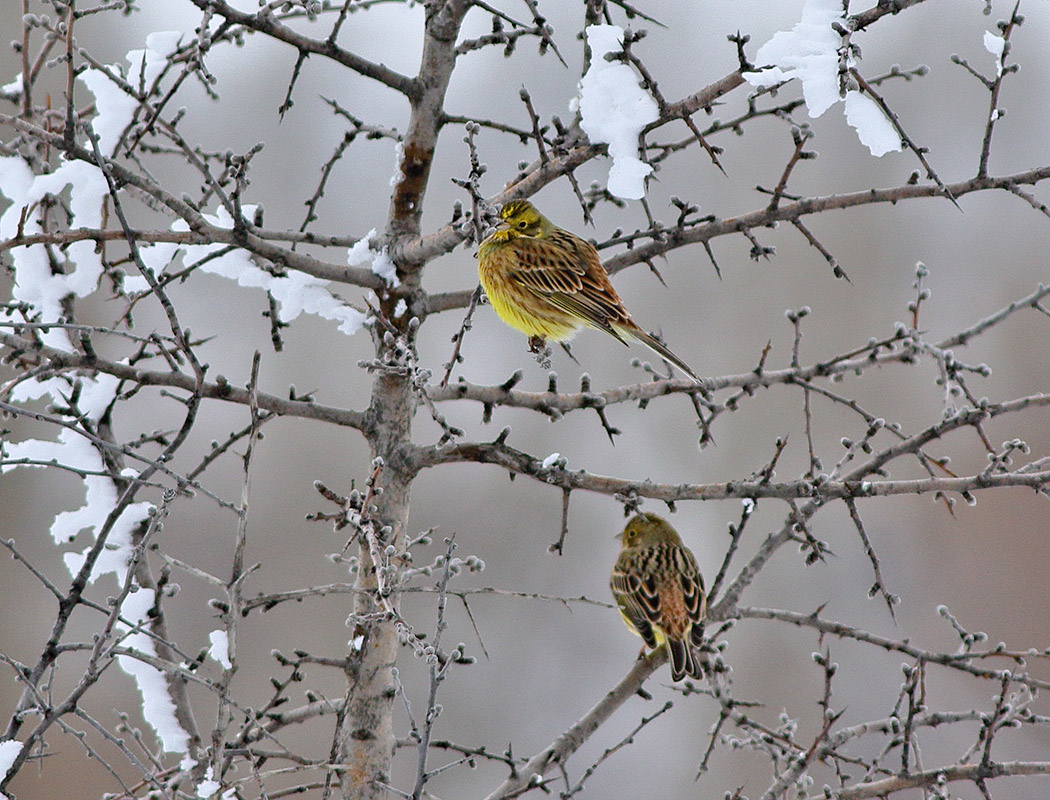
657 585
548 283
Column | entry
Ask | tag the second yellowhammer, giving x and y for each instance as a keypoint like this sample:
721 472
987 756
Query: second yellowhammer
658 587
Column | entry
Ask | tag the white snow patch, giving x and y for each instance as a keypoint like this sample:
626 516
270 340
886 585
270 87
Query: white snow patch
157 706
995 45
118 550
874 130
295 292
613 109
399 156
400 308
36 388
220 648
13 89
134 283
115 107
34 282
97 394
809 52
384 267
209 786
550 460
9 750
382 264
147 64
156 257
100 493
361 251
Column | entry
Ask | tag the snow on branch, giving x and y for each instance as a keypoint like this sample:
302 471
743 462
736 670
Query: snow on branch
614 108
812 53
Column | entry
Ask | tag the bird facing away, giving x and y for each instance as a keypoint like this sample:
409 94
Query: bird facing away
548 283
657 585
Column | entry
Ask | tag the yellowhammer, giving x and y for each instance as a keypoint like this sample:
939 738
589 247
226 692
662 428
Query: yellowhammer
548 283
657 585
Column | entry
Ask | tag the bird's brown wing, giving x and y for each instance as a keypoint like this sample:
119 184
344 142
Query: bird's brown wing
637 599
692 583
567 272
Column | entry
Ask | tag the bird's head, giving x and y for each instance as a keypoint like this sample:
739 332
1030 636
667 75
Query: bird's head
520 218
646 530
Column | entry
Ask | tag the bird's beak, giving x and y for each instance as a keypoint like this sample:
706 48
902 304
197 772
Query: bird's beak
619 536
502 225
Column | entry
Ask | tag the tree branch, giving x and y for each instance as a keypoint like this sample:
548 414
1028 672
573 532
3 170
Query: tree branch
62 361
558 752
266 23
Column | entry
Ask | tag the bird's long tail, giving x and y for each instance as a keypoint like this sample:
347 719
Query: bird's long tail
659 348
683 660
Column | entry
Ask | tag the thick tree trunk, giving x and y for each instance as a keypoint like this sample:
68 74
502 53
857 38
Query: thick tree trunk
365 740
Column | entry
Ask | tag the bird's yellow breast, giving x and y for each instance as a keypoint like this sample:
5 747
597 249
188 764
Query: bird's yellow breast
516 304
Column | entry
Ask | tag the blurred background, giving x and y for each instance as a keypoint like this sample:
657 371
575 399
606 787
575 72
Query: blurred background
548 662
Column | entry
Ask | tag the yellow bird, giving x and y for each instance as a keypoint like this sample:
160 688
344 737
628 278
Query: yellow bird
548 283
658 587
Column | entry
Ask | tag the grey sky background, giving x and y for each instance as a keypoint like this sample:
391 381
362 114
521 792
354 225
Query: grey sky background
549 663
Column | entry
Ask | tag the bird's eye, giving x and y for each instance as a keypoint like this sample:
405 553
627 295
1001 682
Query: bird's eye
523 224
